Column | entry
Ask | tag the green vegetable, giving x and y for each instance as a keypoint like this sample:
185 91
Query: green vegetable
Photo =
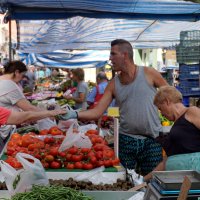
16 181
51 193
27 129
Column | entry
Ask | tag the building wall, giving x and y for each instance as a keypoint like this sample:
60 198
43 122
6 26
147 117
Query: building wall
149 57
4 37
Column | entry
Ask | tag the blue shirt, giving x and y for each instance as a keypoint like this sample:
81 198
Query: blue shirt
93 93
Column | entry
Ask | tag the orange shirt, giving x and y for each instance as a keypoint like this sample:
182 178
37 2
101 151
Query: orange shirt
4 114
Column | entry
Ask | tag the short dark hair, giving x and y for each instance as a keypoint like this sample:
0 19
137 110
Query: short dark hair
78 72
102 76
13 66
124 45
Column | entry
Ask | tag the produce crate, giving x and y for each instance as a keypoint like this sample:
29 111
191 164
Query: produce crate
190 38
190 91
189 84
186 54
189 72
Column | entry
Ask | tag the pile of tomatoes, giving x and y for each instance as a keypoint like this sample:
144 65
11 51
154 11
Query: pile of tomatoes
100 154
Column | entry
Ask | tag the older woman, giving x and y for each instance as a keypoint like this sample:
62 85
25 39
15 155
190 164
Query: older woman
182 145
80 95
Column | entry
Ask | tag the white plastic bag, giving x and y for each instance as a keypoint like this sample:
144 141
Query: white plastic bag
78 138
45 124
96 176
87 127
22 180
137 179
65 125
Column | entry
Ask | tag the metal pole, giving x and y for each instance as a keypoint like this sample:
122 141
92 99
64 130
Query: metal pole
10 41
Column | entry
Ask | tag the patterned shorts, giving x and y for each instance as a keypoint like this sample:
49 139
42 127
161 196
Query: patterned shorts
139 154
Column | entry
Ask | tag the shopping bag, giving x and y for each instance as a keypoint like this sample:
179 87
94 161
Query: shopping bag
45 124
75 137
22 180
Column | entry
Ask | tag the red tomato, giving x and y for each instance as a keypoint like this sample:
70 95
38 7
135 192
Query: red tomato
107 163
70 166
17 165
10 144
99 155
92 132
109 153
68 157
115 161
49 140
99 140
100 147
87 166
45 164
13 162
62 154
77 157
73 150
10 151
93 160
100 163
78 165
38 156
15 136
90 154
55 131
49 158
54 151
32 147
85 150
44 132
55 165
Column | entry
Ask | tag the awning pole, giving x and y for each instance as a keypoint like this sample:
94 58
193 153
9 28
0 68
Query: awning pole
10 41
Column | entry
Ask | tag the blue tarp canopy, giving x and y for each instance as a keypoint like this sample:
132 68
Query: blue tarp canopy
96 34
67 59
47 26
57 9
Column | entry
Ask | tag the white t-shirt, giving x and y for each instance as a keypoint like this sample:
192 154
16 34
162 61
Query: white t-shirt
10 94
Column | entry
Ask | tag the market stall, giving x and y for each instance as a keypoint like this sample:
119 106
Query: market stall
88 22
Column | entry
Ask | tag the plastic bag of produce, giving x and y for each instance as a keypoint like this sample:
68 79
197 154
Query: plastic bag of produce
45 124
22 180
75 137
65 125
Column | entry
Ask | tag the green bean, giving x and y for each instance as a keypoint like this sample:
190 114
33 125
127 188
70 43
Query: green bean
50 193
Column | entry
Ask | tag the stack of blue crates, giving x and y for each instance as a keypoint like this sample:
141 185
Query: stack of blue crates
188 56
189 81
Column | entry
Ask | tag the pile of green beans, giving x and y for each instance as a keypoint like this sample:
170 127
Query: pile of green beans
51 193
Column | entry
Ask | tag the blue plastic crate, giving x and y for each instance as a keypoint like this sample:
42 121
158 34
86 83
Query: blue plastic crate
186 101
189 72
190 91
189 83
